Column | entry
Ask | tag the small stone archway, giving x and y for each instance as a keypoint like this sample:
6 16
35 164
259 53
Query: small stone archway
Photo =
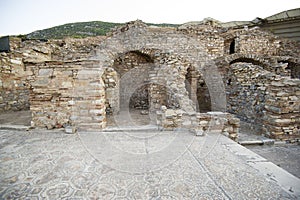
134 68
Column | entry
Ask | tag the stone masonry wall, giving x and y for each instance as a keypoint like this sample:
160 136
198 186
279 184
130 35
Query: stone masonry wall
88 109
168 83
258 42
206 35
217 40
52 95
198 123
112 90
282 108
156 79
41 75
251 41
14 90
289 48
264 99
247 90
69 82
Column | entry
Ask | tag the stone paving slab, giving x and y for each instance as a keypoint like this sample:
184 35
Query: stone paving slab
283 155
41 164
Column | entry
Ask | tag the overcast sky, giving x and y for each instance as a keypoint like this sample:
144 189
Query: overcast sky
25 16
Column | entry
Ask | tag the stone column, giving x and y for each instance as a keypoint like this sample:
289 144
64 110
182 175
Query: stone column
193 94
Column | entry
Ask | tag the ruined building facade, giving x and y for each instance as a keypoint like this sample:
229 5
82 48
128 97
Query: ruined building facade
192 76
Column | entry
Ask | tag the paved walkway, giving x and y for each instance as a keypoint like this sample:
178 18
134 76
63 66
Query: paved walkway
285 156
41 164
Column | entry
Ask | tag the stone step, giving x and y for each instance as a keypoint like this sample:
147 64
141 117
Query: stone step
257 142
131 128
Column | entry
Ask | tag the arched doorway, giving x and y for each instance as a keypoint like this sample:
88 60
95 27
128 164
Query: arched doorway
132 92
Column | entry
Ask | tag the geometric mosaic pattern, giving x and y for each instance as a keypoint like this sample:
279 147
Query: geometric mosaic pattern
43 164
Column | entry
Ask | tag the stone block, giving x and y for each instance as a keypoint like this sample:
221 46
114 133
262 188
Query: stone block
293 98
282 121
41 82
203 123
16 62
66 84
70 129
273 109
197 132
277 84
45 72
170 113
234 121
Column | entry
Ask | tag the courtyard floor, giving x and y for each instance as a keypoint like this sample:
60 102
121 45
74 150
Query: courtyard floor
137 164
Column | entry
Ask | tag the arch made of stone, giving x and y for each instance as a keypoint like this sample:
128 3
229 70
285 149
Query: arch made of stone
90 108
249 58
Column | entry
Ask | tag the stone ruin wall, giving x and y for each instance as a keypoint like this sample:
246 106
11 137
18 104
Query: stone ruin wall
282 118
57 74
137 66
41 75
265 99
256 42
199 123
14 90
156 72
14 93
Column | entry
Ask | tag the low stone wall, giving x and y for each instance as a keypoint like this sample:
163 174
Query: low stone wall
199 123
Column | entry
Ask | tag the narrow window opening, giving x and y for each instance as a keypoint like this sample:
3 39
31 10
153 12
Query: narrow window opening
232 47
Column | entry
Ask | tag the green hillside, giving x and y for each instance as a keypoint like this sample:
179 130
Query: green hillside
79 30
